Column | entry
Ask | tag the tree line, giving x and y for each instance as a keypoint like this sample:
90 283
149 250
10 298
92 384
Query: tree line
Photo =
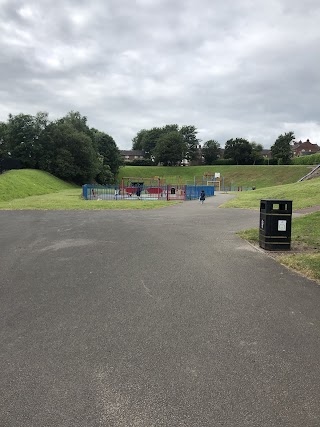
69 149
66 147
171 144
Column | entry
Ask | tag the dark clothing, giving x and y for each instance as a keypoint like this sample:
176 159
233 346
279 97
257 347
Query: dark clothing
202 195
138 192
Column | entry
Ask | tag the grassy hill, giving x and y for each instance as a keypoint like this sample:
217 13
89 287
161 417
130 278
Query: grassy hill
247 176
303 194
17 184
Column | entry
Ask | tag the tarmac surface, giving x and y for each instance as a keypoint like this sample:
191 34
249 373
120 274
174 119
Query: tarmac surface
152 318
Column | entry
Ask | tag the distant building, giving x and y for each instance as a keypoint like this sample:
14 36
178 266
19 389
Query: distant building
306 148
131 155
266 153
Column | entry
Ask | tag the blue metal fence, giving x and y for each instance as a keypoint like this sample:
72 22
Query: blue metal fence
166 192
193 191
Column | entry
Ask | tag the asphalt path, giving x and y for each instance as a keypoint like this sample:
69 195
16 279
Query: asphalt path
152 318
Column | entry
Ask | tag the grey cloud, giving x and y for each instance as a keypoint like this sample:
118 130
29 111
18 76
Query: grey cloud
246 68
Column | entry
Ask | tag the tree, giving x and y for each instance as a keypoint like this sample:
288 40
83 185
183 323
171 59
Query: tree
170 149
148 140
67 147
211 151
22 139
70 153
3 140
110 155
138 140
189 134
239 150
77 121
281 149
256 152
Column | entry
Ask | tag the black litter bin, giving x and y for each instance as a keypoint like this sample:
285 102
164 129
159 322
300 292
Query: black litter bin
275 224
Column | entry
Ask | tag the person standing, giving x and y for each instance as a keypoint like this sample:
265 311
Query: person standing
138 193
202 196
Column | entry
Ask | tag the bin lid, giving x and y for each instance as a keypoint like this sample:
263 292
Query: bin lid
275 200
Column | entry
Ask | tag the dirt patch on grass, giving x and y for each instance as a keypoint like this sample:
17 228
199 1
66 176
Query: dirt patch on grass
296 248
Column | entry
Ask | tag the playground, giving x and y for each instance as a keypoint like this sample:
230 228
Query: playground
135 188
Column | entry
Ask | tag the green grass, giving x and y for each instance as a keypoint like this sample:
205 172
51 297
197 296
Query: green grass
246 176
306 264
72 200
303 194
305 238
305 231
22 183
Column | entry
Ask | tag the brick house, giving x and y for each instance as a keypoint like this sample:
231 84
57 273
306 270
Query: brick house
130 155
304 148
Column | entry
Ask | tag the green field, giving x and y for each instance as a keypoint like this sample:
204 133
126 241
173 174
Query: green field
246 176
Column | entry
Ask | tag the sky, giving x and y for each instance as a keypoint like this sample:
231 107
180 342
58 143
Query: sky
231 68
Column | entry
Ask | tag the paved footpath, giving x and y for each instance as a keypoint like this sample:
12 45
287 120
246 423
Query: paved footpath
152 318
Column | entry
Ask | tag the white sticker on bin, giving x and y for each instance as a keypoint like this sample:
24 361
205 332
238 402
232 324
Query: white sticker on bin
282 225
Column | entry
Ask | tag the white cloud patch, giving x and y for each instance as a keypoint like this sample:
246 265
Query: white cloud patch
233 69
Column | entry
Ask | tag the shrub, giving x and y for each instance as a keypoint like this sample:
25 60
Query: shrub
140 162
313 159
224 162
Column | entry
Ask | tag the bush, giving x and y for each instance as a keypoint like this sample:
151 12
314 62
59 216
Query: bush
224 162
270 162
140 162
313 159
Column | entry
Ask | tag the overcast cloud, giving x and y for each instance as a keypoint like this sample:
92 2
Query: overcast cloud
232 68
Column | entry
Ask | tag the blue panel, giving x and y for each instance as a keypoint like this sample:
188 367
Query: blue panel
193 191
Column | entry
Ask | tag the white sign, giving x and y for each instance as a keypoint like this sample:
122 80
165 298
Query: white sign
262 224
217 175
282 225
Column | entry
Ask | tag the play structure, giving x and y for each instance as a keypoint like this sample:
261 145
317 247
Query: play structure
151 188
156 188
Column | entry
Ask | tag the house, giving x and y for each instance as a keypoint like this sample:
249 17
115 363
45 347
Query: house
266 153
131 155
304 148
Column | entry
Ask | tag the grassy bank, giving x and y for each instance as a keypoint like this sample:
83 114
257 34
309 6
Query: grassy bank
303 194
72 200
246 176
17 184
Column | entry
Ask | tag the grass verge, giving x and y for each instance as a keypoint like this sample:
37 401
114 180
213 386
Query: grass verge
306 264
72 200
305 245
